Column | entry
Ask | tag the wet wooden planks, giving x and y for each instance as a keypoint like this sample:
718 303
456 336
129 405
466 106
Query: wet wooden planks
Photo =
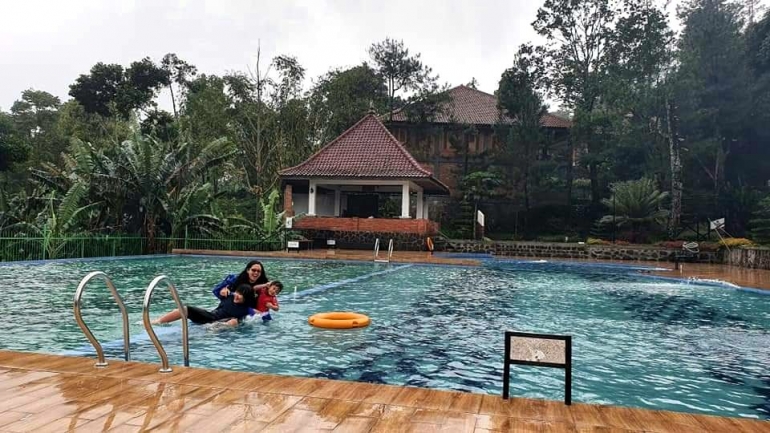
45 393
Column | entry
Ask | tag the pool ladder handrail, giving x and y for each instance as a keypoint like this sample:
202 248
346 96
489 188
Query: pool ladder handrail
377 251
148 325
101 363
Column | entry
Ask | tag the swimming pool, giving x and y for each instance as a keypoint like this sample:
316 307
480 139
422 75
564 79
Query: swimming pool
636 341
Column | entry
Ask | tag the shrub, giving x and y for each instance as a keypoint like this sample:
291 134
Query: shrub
595 241
736 243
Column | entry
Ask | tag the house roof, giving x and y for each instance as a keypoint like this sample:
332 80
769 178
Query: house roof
367 150
471 106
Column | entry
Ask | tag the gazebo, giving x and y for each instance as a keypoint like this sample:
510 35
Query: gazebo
341 191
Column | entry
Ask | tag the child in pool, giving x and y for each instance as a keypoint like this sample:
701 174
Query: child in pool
231 309
267 299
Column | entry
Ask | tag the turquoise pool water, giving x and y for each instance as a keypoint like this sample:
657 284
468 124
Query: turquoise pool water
636 341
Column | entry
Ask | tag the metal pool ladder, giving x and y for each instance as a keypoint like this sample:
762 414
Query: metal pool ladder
101 363
148 326
377 251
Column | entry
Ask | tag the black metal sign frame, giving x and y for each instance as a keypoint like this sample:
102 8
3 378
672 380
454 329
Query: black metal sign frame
567 366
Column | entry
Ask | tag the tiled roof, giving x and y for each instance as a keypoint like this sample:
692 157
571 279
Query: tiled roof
471 106
553 121
367 150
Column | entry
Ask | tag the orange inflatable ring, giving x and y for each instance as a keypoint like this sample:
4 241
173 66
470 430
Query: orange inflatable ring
429 243
339 320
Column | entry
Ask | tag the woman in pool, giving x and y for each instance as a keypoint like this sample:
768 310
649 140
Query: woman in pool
253 275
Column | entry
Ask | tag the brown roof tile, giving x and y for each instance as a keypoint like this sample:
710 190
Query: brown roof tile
366 150
471 106
553 121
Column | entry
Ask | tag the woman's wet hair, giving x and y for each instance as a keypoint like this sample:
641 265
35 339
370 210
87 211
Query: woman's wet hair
243 277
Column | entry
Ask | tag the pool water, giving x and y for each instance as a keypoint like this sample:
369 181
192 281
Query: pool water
636 341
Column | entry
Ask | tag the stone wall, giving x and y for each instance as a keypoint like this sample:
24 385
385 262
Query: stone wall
576 251
748 258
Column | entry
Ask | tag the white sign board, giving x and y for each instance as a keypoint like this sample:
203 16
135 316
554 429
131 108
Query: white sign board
331 242
538 350
289 222
717 224
292 244
480 218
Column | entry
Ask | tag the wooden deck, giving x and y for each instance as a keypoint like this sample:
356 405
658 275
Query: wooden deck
755 278
47 393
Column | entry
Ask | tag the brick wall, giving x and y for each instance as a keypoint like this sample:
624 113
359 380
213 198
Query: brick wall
381 225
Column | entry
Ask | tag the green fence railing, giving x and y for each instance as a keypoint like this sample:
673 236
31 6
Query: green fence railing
16 248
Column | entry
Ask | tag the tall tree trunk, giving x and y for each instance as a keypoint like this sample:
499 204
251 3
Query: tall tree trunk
719 170
570 174
526 179
593 172
173 100
391 96
149 231
674 149
466 151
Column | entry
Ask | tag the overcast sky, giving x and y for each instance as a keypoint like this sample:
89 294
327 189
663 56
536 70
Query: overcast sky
45 45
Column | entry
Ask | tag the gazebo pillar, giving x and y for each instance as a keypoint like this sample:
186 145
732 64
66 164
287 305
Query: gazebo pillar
337 201
426 208
420 204
311 198
405 200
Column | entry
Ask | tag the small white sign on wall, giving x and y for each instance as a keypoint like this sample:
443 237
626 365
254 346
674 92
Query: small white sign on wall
292 244
289 222
480 218
331 242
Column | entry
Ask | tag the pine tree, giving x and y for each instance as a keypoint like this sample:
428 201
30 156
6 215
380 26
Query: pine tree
760 223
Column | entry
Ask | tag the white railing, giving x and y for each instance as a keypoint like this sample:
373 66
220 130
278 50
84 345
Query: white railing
377 252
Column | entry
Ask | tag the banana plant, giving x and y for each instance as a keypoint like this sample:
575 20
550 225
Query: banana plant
56 222
271 228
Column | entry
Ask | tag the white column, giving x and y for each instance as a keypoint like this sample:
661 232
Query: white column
425 210
420 204
405 200
311 198
337 201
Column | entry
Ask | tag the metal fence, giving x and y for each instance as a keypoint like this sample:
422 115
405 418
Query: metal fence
15 248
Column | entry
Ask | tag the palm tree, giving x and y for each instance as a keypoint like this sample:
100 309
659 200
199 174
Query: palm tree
165 180
635 204
94 171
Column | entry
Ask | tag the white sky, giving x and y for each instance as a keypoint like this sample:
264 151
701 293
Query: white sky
45 45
